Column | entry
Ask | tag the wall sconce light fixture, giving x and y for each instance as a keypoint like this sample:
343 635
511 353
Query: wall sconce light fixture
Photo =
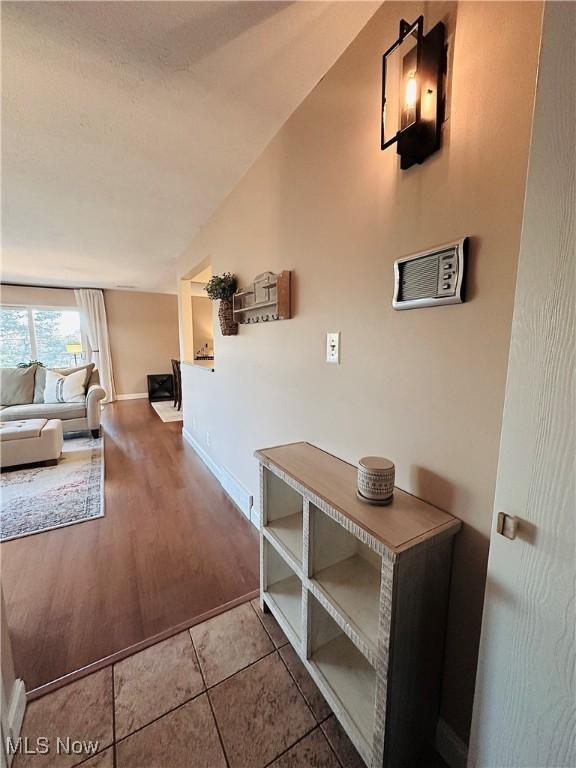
413 71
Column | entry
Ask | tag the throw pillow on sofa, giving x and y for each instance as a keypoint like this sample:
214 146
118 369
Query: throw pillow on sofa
64 389
17 385
40 384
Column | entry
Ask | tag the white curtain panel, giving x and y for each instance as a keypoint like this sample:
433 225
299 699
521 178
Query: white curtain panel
95 336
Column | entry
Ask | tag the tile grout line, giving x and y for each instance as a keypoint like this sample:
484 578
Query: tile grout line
220 739
206 690
319 723
278 649
332 749
155 720
251 664
112 745
266 630
192 698
316 720
172 709
317 727
301 692
307 733
186 701
284 751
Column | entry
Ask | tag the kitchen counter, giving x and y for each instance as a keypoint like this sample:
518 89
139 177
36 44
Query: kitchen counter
207 365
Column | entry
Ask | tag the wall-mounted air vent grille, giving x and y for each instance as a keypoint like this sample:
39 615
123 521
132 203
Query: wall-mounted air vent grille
431 278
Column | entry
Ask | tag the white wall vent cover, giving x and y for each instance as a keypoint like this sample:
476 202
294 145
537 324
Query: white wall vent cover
431 278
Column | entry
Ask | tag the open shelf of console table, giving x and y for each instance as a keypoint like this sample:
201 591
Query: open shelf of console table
361 593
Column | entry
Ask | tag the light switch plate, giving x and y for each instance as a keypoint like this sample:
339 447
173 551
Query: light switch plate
333 347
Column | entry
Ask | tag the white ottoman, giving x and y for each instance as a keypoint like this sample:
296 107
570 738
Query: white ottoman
30 441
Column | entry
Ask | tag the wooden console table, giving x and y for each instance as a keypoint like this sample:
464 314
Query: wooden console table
361 593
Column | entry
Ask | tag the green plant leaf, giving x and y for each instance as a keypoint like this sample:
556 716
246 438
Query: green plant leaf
221 286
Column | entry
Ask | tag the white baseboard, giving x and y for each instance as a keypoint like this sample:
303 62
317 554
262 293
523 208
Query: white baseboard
450 747
16 709
237 492
212 466
233 488
133 396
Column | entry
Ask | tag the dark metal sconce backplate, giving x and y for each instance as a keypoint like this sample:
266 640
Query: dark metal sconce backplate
418 140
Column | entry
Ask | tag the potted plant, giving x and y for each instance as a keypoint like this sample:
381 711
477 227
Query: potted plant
223 287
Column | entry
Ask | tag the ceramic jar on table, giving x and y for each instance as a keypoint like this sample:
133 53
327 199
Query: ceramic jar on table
376 479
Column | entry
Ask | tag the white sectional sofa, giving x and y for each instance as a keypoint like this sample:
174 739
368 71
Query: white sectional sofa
21 396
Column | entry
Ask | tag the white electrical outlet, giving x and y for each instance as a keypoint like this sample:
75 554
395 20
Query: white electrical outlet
208 439
333 347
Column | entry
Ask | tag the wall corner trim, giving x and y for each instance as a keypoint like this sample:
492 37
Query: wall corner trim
15 716
133 396
239 495
450 747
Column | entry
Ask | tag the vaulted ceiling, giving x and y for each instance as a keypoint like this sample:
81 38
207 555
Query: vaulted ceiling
125 124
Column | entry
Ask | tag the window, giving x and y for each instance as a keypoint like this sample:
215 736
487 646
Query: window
15 336
38 333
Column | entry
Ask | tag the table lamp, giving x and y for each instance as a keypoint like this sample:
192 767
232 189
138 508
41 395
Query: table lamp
74 349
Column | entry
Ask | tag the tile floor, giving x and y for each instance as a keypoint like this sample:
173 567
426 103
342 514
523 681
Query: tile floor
228 693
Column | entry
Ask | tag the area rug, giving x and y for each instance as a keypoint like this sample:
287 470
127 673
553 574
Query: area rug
34 499
166 411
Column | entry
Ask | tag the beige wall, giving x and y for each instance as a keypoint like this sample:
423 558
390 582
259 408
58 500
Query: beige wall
143 330
424 387
25 295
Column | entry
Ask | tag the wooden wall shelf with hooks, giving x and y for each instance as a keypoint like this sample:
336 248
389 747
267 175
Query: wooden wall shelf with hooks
267 299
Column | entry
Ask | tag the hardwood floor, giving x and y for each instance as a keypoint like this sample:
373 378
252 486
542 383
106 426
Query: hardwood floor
171 547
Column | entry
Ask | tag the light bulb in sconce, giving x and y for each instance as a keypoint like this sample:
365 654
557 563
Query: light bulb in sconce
411 91
408 111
